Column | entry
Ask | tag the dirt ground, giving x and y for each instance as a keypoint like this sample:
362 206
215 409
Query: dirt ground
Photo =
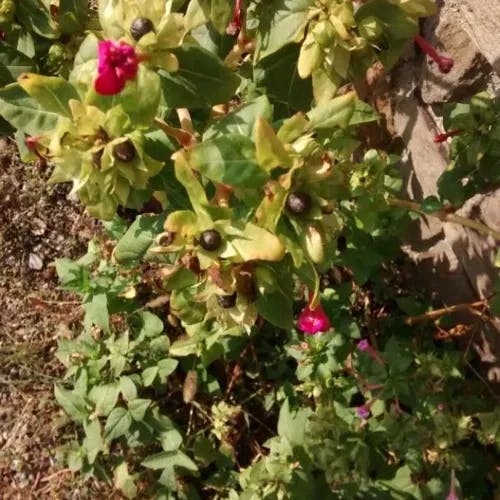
38 223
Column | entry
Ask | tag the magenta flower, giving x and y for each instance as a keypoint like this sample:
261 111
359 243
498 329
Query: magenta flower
445 64
363 412
118 63
444 137
365 346
312 321
234 27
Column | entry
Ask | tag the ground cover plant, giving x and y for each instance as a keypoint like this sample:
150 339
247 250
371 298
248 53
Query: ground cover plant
247 332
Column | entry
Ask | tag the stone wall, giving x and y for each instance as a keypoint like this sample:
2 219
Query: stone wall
454 263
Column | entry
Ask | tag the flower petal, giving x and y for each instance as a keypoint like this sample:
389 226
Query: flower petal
108 82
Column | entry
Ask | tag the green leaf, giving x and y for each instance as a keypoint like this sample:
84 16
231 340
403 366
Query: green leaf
96 312
127 388
169 461
149 375
152 325
35 17
124 481
52 93
72 403
242 120
72 15
117 424
138 408
292 423
278 78
202 80
170 440
166 367
104 397
92 442
139 237
281 22
72 275
337 113
23 112
431 204
228 160
15 62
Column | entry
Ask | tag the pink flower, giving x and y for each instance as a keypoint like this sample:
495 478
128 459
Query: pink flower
452 495
234 27
312 321
118 63
365 346
363 412
445 64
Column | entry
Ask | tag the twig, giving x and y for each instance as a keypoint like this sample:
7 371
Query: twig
445 217
411 320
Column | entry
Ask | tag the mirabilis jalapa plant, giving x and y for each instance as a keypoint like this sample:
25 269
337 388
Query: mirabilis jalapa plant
249 301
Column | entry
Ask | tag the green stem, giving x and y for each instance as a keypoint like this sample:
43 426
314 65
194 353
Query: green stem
445 217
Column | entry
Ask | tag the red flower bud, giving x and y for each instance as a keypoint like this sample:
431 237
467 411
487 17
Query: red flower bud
444 137
445 64
234 27
312 321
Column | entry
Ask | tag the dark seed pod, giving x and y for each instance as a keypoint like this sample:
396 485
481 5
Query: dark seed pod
166 239
141 26
125 151
210 240
226 301
96 158
341 243
298 203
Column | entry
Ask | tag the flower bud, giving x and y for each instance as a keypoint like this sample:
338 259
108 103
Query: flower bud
314 244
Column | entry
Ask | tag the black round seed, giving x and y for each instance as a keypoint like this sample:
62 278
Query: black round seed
298 203
226 301
125 151
141 26
341 243
210 240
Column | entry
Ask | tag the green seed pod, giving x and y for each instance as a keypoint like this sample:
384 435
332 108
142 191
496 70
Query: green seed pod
141 26
314 245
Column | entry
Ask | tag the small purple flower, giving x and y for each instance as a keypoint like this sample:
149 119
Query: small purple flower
364 345
363 412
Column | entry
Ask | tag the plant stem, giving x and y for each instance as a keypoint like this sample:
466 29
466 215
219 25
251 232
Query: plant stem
441 215
437 313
